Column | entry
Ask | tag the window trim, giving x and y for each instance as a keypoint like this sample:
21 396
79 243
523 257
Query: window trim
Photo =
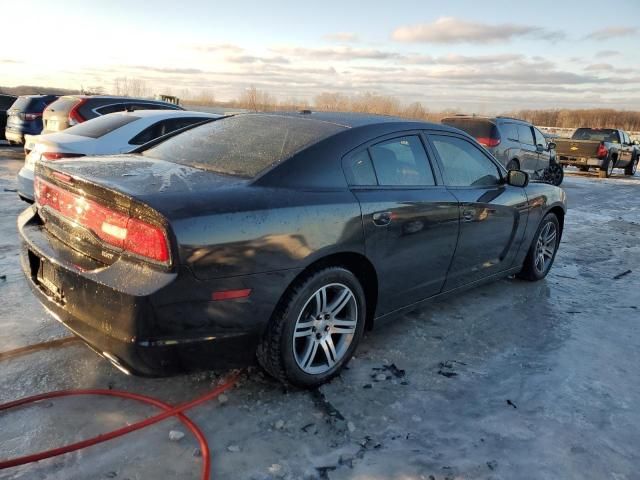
501 170
435 170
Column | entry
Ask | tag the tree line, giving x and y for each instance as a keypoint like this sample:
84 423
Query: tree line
254 99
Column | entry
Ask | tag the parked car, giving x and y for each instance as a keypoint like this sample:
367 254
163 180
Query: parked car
5 104
517 144
25 116
285 233
107 135
70 110
600 148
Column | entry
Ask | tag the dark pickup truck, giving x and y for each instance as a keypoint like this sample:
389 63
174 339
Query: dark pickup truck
601 148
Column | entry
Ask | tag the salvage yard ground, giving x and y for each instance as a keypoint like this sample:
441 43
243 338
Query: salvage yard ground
510 380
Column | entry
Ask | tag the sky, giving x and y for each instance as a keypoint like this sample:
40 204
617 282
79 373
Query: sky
480 56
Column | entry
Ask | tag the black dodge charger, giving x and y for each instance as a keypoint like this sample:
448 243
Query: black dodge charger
285 234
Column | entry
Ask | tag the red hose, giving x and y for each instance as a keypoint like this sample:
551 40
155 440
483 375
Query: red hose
169 411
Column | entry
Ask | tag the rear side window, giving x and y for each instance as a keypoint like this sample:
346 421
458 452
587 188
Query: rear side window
402 161
464 164
359 169
163 127
100 126
525 135
63 104
243 145
510 131
477 128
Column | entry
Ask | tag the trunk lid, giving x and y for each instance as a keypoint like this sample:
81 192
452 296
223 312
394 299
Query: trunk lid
576 148
145 189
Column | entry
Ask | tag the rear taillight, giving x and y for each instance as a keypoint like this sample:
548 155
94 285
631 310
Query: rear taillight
114 228
74 115
488 141
602 151
59 155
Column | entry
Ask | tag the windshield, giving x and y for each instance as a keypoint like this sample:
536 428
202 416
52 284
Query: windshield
597 134
243 145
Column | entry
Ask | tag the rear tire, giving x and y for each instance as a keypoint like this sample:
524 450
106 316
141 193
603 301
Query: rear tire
311 334
607 168
632 167
513 164
543 249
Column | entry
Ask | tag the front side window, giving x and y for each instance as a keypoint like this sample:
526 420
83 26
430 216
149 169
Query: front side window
401 161
525 135
540 140
464 164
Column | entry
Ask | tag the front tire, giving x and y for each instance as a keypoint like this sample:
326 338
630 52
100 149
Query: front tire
543 249
554 174
315 329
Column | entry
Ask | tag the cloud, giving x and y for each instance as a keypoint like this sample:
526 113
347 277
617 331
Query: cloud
599 67
606 53
453 59
254 59
344 37
337 53
181 71
612 32
218 47
454 30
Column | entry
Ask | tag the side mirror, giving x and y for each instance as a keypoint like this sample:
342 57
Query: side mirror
517 178
551 146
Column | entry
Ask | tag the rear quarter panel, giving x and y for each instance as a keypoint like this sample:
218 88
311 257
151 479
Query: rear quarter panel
258 229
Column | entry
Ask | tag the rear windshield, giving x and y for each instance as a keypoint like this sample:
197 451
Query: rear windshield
31 104
598 134
100 126
477 128
63 104
243 145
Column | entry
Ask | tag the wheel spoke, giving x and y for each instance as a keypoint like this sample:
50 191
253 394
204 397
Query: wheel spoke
344 330
303 329
321 300
309 354
329 350
340 302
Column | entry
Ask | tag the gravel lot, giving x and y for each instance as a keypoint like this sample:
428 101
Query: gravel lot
510 380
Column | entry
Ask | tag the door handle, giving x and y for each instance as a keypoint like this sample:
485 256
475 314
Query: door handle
467 215
382 219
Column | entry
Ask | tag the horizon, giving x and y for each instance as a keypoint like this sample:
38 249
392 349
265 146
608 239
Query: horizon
458 56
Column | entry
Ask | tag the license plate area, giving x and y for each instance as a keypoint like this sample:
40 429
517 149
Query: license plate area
46 276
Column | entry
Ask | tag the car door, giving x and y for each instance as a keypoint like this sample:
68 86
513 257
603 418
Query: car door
626 150
544 155
493 214
529 153
410 219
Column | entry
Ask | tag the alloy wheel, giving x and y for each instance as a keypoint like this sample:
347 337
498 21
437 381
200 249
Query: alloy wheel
610 167
546 247
325 328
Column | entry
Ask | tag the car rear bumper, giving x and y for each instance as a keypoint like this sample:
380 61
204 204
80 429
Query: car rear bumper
25 183
581 161
14 136
144 321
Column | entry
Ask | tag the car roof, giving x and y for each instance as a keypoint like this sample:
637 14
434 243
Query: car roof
485 117
116 97
354 120
167 113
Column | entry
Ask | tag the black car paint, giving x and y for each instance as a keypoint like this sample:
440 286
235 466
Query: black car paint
228 233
